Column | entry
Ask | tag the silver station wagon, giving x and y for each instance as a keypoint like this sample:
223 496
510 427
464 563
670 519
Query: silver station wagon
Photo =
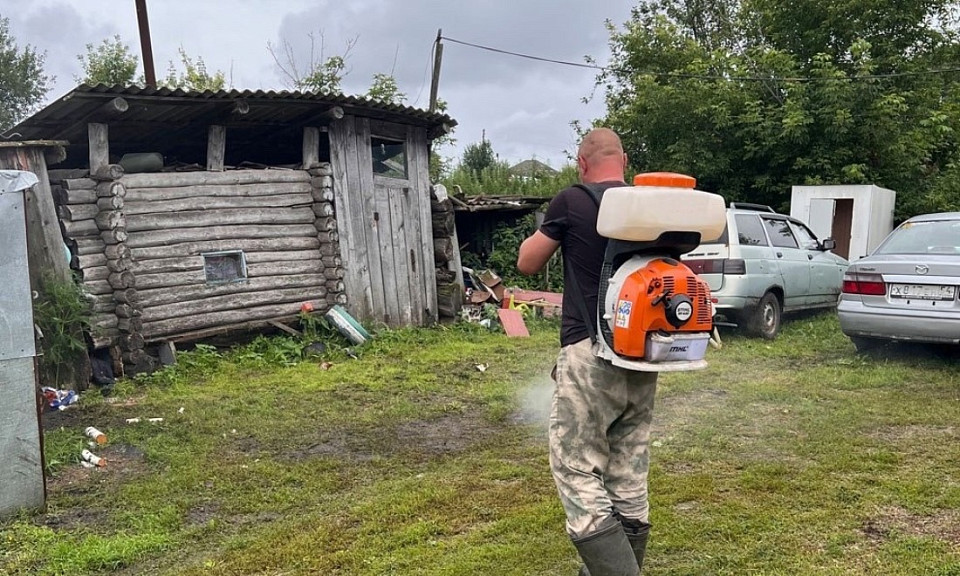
766 264
906 289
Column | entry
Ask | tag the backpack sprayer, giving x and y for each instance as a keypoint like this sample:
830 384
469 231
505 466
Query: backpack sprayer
654 314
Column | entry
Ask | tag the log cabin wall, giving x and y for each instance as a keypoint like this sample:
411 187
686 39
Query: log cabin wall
144 246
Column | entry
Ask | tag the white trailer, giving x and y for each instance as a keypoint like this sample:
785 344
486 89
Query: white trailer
857 217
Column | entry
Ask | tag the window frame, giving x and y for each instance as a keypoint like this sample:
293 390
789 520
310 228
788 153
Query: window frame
223 253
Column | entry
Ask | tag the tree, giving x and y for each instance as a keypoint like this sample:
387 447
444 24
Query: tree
321 74
110 63
385 89
755 96
479 157
194 75
22 81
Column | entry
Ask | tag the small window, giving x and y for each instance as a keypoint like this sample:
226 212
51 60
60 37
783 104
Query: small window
389 157
221 267
807 240
749 230
780 234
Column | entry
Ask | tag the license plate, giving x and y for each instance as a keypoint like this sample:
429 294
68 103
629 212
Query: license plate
923 291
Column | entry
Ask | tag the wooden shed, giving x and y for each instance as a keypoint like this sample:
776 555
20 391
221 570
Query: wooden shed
191 213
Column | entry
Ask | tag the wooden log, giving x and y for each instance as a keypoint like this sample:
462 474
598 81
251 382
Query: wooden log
99 146
171 279
247 245
96 287
119 264
63 196
443 224
285 256
232 302
230 177
91 261
103 307
115 107
103 321
110 203
254 270
330 249
132 341
77 212
139 362
94 273
79 228
130 325
76 184
333 273
326 224
216 202
167 265
324 169
331 261
110 220
129 296
171 327
322 209
324 195
322 182
442 250
445 276
449 300
335 286
110 189
444 206
165 237
260 269
216 147
203 219
311 147
170 295
60 174
103 338
122 280
116 251
341 299
126 311
328 236
163 194
83 246
107 173
115 236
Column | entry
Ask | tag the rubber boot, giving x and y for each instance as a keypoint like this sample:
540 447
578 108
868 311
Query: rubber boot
637 534
607 552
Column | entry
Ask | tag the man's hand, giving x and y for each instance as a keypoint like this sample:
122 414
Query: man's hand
534 253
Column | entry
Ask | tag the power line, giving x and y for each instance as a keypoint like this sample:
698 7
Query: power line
728 78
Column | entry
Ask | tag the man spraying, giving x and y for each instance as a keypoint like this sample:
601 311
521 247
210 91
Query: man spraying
601 414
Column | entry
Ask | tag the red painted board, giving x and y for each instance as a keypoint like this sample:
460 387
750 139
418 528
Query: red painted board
512 321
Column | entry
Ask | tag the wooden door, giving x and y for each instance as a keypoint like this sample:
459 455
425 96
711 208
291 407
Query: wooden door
382 195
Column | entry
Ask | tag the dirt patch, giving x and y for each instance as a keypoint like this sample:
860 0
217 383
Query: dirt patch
912 433
943 525
672 414
123 461
68 520
446 435
332 444
203 513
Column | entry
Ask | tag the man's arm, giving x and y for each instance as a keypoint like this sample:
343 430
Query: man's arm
534 252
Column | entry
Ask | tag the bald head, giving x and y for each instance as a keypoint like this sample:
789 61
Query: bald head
600 157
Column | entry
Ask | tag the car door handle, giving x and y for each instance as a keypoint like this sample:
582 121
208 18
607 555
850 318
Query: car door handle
809 256
779 254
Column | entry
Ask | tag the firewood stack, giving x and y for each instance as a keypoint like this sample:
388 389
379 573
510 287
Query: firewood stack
321 182
446 257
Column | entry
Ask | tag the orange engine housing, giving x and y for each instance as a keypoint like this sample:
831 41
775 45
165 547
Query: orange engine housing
643 305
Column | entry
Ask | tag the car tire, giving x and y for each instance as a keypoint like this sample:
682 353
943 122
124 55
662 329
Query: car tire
865 345
764 321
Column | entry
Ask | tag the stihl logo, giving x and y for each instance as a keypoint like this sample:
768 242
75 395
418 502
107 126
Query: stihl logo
678 348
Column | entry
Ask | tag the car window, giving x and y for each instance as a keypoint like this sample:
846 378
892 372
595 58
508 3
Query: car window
806 238
934 237
780 234
750 231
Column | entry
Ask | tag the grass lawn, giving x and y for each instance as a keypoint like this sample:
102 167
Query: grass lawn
789 457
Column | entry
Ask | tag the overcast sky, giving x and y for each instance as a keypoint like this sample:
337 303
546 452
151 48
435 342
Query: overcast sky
524 106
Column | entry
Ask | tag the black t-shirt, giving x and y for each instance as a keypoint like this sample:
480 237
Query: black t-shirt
571 219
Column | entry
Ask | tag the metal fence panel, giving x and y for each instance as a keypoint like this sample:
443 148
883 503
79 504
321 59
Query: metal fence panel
16 308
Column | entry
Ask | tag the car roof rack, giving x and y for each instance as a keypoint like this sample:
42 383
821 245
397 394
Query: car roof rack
749 206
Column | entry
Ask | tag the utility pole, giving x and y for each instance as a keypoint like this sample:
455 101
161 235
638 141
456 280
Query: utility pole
437 59
146 49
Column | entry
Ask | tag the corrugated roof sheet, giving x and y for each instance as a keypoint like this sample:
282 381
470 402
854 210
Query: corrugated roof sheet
175 121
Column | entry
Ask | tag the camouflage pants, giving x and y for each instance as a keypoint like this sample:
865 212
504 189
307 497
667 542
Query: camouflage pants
599 435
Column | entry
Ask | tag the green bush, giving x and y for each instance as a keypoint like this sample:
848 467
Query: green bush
63 314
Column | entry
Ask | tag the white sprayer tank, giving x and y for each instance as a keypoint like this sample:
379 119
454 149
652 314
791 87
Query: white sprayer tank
660 202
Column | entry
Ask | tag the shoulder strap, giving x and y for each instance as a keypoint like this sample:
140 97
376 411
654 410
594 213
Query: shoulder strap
570 281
